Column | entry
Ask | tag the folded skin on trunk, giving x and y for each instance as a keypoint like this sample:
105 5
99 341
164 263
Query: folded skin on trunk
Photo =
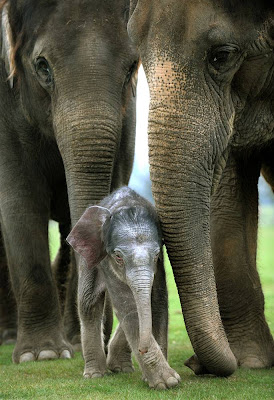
187 142
140 282
88 135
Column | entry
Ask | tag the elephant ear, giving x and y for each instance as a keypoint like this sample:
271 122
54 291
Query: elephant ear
7 45
138 24
86 236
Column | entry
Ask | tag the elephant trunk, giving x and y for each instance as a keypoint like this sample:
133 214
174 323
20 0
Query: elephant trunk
88 136
140 281
184 164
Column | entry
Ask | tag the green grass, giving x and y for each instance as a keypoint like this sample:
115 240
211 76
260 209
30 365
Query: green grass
63 379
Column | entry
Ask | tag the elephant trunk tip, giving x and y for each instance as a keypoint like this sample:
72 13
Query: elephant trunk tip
225 370
143 351
144 345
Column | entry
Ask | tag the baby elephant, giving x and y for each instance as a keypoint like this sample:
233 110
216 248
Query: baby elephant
120 240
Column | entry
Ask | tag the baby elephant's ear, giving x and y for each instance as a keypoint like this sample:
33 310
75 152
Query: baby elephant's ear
86 236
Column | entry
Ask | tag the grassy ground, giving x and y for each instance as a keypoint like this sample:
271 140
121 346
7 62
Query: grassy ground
63 379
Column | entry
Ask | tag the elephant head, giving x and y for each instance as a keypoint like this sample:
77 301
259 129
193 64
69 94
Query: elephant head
127 239
74 68
209 66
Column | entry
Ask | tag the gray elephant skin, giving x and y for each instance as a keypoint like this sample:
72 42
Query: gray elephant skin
209 66
67 128
122 240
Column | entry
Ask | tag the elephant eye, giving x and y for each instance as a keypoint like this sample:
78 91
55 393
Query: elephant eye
118 257
221 57
43 72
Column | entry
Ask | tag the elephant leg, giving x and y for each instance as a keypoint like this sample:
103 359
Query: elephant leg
155 368
8 314
159 306
71 318
234 220
24 222
119 353
107 321
61 265
65 273
91 299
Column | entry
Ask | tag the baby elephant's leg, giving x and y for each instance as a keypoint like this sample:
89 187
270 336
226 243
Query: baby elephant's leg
119 353
91 297
154 365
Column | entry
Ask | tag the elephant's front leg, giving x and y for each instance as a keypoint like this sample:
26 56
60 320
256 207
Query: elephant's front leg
40 331
91 299
24 221
155 368
234 216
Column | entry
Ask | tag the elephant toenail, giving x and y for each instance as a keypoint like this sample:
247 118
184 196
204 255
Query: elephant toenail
93 375
25 357
97 375
172 382
177 376
160 386
65 354
47 355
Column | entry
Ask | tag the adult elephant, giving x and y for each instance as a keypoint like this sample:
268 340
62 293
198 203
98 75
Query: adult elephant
209 66
67 125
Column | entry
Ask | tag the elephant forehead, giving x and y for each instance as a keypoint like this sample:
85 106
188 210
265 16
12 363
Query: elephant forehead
138 233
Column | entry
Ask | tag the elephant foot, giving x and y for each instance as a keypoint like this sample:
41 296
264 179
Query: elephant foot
120 364
119 357
41 350
163 378
156 370
95 371
252 362
253 354
9 336
194 364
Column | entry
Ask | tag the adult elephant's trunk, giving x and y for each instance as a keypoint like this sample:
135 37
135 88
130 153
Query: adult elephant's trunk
140 281
186 142
88 133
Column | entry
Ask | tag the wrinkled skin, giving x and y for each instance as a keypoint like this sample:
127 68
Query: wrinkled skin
209 66
122 234
67 127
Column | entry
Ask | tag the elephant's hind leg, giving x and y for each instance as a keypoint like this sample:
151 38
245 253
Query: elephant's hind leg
119 355
234 216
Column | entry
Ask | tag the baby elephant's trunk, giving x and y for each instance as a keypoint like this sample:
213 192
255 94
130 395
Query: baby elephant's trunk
140 281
